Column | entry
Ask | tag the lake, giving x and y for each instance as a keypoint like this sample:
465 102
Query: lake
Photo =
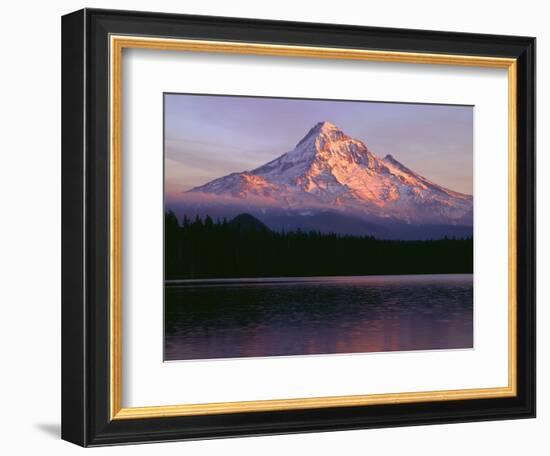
206 319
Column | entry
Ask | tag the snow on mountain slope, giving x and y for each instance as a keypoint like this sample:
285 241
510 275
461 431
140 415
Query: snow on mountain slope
330 170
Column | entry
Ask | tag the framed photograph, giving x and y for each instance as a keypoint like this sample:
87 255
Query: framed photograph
279 227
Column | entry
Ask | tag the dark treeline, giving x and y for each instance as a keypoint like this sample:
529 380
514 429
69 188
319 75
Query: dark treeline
245 247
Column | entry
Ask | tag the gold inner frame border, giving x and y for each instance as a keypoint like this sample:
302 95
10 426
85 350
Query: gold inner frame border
117 44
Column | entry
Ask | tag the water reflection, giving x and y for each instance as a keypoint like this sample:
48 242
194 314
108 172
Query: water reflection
243 318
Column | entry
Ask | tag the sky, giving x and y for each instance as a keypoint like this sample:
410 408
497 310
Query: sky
207 136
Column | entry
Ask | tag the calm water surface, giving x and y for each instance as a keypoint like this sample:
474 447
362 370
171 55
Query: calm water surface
319 315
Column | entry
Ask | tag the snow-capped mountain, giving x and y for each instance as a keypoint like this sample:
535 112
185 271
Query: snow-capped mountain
330 171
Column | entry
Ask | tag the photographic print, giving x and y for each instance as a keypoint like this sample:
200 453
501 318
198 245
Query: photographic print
316 227
290 210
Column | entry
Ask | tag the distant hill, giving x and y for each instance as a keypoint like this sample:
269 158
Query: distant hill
247 223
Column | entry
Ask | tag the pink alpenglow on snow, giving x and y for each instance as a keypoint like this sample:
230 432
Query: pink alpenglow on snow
329 170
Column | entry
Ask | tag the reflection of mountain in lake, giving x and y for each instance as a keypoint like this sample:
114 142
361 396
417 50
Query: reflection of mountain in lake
334 183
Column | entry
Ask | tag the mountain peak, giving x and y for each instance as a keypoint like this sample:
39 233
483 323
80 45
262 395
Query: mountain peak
324 129
329 169
325 125
391 159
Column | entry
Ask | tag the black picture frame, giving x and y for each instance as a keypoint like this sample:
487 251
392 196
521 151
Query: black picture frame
85 223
